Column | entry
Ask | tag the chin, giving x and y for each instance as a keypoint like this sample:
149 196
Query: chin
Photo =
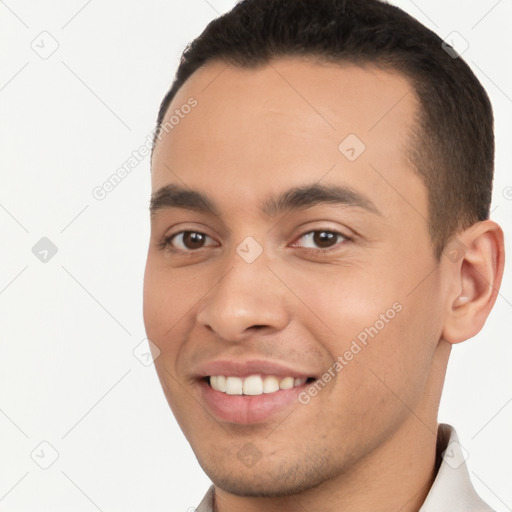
263 481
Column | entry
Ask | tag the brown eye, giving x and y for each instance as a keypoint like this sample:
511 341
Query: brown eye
322 239
188 240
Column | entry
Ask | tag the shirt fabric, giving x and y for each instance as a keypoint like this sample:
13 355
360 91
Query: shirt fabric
452 490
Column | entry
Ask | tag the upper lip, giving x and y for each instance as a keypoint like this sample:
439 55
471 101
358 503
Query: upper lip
244 368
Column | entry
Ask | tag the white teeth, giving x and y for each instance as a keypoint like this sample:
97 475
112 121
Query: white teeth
286 383
221 383
253 385
234 386
218 382
270 384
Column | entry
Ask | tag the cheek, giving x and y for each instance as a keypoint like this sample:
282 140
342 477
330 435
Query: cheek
391 371
154 302
342 303
166 300
164 304
384 335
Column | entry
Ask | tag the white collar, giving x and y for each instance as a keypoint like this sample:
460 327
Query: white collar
452 489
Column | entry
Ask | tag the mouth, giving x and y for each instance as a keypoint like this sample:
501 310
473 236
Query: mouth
250 391
254 385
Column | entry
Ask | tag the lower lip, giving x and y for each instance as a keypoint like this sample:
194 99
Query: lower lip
247 409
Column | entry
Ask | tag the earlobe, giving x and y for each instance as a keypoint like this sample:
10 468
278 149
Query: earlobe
477 277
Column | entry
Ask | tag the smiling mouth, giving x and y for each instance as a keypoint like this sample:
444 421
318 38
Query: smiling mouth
254 385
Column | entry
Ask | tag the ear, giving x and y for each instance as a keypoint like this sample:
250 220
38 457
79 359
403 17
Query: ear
474 261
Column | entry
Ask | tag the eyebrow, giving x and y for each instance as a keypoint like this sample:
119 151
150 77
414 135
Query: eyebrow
297 198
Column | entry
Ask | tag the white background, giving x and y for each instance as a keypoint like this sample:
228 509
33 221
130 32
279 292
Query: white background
68 327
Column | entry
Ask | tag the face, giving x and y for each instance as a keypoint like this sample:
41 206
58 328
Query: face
290 260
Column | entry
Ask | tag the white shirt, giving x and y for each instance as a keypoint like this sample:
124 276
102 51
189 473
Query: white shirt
452 490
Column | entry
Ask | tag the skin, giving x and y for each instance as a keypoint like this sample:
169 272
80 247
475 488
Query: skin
367 440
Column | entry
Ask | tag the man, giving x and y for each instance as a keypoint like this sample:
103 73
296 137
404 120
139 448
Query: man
320 238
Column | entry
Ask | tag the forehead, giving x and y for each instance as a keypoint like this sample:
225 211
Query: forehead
291 121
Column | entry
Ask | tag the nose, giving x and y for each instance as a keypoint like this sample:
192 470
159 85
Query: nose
247 298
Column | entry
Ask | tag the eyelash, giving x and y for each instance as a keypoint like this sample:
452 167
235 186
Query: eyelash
166 242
